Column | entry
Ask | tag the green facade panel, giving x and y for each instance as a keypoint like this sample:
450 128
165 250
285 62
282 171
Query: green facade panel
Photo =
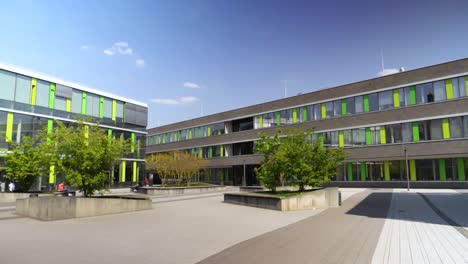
368 136
344 109
349 173
304 114
52 95
83 103
442 170
363 171
412 95
461 169
415 129
366 103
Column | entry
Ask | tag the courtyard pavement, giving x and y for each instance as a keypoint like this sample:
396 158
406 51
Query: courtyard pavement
371 226
178 231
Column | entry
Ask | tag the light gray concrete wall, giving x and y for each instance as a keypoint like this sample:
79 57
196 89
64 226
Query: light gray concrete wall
58 208
318 199
7 197
182 190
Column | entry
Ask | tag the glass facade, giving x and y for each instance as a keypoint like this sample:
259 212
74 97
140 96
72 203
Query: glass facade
42 101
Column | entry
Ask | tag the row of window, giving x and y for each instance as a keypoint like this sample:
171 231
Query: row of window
426 130
26 90
186 134
401 97
26 125
413 95
446 128
454 169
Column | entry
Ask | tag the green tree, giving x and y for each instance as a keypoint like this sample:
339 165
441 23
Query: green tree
293 157
28 160
270 170
83 152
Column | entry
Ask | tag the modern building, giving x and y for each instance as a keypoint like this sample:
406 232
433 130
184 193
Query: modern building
414 119
30 101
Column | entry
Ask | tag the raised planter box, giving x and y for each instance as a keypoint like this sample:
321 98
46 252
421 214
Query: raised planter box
58 208
8 197
154 191
317 199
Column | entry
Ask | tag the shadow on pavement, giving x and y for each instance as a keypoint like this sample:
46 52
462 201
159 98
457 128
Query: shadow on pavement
451 208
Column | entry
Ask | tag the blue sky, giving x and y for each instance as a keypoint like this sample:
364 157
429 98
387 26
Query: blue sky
179 55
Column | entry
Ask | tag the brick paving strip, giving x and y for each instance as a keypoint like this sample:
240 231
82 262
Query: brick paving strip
348 234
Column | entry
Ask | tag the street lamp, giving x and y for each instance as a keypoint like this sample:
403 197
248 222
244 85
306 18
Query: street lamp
407 170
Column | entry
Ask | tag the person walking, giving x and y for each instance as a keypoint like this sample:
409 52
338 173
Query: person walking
11 186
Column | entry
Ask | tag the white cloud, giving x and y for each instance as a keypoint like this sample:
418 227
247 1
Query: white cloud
191 85
120 47
178 101
84 47
387 72
140 63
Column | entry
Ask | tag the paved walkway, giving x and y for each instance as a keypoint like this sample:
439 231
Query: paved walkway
184 231
415 233
348 234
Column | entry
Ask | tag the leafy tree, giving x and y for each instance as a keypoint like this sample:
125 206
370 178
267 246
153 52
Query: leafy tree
175 166
270 170
83 152
27 161
296 159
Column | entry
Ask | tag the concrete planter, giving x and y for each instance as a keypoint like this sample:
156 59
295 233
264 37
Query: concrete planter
317 199
58 208
8 197
154 191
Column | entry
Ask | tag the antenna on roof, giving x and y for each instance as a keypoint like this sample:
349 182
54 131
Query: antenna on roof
382 60
285 88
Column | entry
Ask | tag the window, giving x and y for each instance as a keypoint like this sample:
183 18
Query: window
286 117
3 119
329 109
23 125
385 100
456 127
107 108
393 133
436 129
359 136
407 132
407 96
456 90
424 131
359 104
76 101
23 89
348 138
327 141
42 93
424 93
268 119
7 85
462 85
375 135
317 112
218 128
337 107
310 113
350 106
439 91
60 103
401 93
119 111
334 138
373 102
92 105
